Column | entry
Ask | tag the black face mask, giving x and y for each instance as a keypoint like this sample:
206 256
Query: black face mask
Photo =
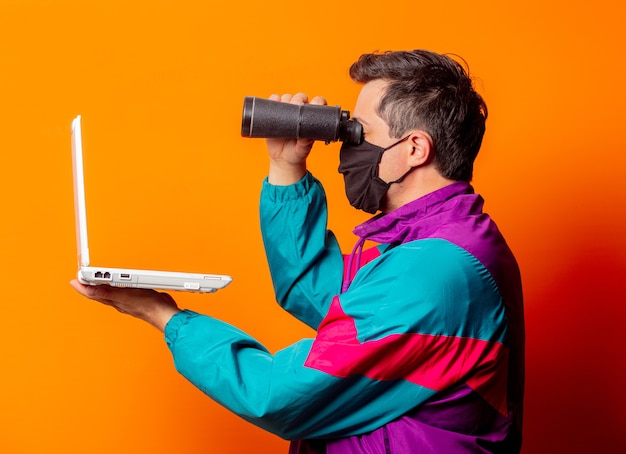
359 166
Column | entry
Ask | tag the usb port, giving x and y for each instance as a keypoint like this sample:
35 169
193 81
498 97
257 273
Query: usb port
125 276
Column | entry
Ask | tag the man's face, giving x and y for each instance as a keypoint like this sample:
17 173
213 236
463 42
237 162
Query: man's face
376 130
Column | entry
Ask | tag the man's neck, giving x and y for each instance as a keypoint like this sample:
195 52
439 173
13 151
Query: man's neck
416 185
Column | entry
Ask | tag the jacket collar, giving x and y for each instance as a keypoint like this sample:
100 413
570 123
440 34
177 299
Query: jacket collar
414 219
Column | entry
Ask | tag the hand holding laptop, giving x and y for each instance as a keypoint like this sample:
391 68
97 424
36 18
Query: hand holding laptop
151 306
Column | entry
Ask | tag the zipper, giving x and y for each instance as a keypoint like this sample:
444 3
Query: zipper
386 437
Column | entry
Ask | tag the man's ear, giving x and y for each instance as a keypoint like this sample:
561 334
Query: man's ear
422 148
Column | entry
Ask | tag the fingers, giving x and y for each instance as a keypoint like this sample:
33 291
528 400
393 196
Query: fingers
151 306
298 98
99 293
135 302
319 100
84 290
108 293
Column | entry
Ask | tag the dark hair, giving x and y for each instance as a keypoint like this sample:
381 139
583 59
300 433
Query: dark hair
433 93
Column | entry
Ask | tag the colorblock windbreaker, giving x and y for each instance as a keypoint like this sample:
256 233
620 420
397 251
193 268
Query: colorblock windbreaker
419 344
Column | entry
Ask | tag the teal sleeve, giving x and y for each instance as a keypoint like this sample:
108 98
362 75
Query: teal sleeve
385 346
278 392
304 258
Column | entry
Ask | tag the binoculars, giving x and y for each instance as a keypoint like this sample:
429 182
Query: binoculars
275 119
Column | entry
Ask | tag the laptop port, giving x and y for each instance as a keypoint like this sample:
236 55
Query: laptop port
125 276
106 276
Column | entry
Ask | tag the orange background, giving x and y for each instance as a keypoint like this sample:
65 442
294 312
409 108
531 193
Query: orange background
172 185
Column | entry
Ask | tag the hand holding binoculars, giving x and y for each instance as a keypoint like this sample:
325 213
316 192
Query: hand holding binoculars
275 119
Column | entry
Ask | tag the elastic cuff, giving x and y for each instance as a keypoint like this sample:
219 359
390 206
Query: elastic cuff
175 323
291 192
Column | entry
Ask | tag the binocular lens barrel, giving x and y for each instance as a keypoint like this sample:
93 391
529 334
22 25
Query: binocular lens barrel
275 119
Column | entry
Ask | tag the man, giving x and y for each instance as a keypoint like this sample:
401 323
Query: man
420 339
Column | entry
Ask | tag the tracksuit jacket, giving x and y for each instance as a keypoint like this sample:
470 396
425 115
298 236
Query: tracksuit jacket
419 344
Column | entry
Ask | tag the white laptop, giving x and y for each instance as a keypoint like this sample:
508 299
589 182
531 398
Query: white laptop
118 277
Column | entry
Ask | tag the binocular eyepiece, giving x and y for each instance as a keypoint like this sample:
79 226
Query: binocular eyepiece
275 119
